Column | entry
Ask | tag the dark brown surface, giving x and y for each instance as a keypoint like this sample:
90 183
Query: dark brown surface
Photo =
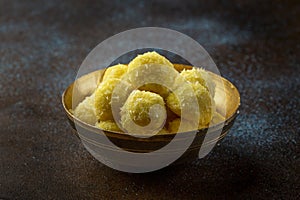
254 43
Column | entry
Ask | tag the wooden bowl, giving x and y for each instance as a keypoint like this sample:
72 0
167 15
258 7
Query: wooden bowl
86 84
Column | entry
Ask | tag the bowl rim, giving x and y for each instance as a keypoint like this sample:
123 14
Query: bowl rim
97 130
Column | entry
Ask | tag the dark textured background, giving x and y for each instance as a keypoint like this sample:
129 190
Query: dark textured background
254 43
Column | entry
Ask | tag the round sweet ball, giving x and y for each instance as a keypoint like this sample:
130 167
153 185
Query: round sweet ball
109 125
85 111
146 72
149 58
199 75
183 102
143 109
103 95
116 71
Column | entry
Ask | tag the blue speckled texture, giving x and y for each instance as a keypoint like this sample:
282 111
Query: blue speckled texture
254 43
